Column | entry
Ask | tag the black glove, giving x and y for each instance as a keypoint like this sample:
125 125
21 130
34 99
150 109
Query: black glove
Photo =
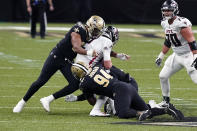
158 62
194 64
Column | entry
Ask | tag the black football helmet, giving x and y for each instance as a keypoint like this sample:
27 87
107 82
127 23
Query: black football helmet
169 5
113 33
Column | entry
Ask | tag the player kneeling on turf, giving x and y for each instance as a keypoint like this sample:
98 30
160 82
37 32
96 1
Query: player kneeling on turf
128 103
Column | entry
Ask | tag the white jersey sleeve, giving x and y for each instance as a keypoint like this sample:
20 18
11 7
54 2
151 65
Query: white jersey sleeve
184 22
107 50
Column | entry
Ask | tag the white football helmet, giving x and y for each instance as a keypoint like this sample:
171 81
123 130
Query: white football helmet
95 25
169 5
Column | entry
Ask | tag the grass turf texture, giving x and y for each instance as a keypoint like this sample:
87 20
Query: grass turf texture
21 59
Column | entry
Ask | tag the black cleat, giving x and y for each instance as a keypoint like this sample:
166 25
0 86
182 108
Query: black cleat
176 114
146 114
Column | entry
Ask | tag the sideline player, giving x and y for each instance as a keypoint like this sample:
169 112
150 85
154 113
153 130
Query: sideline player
179 36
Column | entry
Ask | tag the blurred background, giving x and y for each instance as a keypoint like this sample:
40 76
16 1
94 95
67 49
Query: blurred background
113 11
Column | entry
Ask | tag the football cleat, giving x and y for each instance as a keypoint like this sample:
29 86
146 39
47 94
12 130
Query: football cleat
163 104
18 108
71 98
109 107
98 113
45 103
176 114
146 114
153 104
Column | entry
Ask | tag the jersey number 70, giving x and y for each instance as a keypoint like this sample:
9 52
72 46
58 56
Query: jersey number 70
172 38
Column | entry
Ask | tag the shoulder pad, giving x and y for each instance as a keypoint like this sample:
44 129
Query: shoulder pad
183 22
106 35
80 25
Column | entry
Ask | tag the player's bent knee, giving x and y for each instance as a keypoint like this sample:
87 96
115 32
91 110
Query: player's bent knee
163 78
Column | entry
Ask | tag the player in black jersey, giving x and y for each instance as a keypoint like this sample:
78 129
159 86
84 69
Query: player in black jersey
61 57
127 101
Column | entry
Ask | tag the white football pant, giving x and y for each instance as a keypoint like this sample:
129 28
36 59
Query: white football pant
173 64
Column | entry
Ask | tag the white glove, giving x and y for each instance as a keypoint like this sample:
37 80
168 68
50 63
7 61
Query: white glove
122 56
71 98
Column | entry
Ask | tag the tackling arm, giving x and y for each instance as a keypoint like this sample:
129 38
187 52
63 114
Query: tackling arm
121 56
76 43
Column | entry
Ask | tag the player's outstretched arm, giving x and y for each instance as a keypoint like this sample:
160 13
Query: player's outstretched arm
121 56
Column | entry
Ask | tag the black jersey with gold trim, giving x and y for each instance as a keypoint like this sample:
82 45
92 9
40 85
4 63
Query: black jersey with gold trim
65 45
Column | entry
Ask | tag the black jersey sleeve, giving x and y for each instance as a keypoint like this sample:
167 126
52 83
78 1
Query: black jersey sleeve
167 43
80 29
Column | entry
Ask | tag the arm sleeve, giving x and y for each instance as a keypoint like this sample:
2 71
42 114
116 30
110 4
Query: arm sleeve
79 30
107 51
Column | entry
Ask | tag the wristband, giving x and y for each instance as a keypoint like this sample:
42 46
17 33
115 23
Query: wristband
89 52
161 55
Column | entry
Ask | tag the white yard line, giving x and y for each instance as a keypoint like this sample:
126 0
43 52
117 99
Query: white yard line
67 29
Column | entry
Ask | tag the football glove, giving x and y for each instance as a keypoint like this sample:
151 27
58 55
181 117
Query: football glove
71 98
194 64
122 56
158 62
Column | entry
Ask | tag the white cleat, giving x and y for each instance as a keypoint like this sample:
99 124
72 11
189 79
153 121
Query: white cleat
45 103
20 105
98 113
163 104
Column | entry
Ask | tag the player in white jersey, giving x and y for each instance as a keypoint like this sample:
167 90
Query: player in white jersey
103 47
179 36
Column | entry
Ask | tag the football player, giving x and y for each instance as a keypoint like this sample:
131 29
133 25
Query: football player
102 46
179 36
62 55
127 101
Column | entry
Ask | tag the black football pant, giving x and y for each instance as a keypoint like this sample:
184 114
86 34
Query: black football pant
53 63
38 15
127 100
120 75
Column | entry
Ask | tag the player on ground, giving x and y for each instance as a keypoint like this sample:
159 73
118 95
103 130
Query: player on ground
127 101
179 36
62 55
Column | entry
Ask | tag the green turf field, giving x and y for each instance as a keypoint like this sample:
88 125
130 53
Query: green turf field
21 60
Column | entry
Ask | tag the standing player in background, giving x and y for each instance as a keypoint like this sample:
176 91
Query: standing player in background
179 36
61 57
37 12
